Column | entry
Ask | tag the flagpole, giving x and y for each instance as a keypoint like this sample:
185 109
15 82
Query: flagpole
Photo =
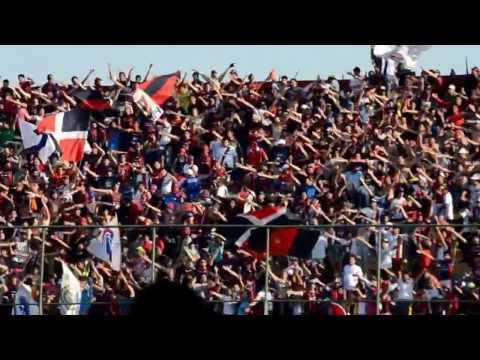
267 269
466 65
42 271
154 253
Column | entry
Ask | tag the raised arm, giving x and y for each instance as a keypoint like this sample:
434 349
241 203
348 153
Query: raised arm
111 77
220 78
145 78
87 76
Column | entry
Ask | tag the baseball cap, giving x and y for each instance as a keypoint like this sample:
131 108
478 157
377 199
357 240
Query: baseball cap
281 142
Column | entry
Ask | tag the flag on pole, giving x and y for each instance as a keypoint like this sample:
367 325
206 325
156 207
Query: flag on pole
92 99
42 144
70 292
404 54
70 131
24 302
160 88
107 246
285 241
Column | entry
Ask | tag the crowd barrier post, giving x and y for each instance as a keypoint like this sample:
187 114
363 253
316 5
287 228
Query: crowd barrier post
267 270
42 271
154 252
378 236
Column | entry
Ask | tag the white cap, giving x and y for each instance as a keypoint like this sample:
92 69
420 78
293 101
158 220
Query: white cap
190 172
463 151
451 87
281 142
476 177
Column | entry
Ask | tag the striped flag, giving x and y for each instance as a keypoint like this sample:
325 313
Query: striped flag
287 241
92 99
70 131
160 88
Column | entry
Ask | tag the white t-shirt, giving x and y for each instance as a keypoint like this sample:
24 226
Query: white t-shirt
187 167
386 256
448 202
165 140
351 276
356 85
391 68
405 290
222 191
166 185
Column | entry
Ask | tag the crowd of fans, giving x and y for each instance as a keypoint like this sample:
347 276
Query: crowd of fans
390 149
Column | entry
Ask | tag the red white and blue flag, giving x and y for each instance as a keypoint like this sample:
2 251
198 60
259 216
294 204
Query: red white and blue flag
69 130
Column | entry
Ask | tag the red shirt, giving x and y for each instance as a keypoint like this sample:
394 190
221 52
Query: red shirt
457 119
425 261
255 156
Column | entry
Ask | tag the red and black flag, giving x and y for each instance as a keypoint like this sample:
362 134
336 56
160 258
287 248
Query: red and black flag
161 88
91 99
284 241
70 131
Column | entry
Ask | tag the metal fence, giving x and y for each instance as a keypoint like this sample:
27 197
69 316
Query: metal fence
369 251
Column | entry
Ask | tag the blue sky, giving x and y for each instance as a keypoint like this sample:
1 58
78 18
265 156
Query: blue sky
65 60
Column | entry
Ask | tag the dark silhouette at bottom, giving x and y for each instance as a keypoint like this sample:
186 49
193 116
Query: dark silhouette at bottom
166 298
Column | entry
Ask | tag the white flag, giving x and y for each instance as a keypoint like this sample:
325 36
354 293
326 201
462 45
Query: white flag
70 292
42 143
24 302
107 245
142 99
405 54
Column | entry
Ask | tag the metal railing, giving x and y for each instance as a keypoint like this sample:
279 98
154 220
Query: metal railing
373 254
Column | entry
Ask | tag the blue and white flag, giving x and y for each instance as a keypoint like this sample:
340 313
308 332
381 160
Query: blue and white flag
24 302
405 54
70 292
43 144
107 246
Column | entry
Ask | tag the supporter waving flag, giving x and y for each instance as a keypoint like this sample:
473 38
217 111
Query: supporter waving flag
284 241
71 292
92 99
406 54
24 302
160 88
70 131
